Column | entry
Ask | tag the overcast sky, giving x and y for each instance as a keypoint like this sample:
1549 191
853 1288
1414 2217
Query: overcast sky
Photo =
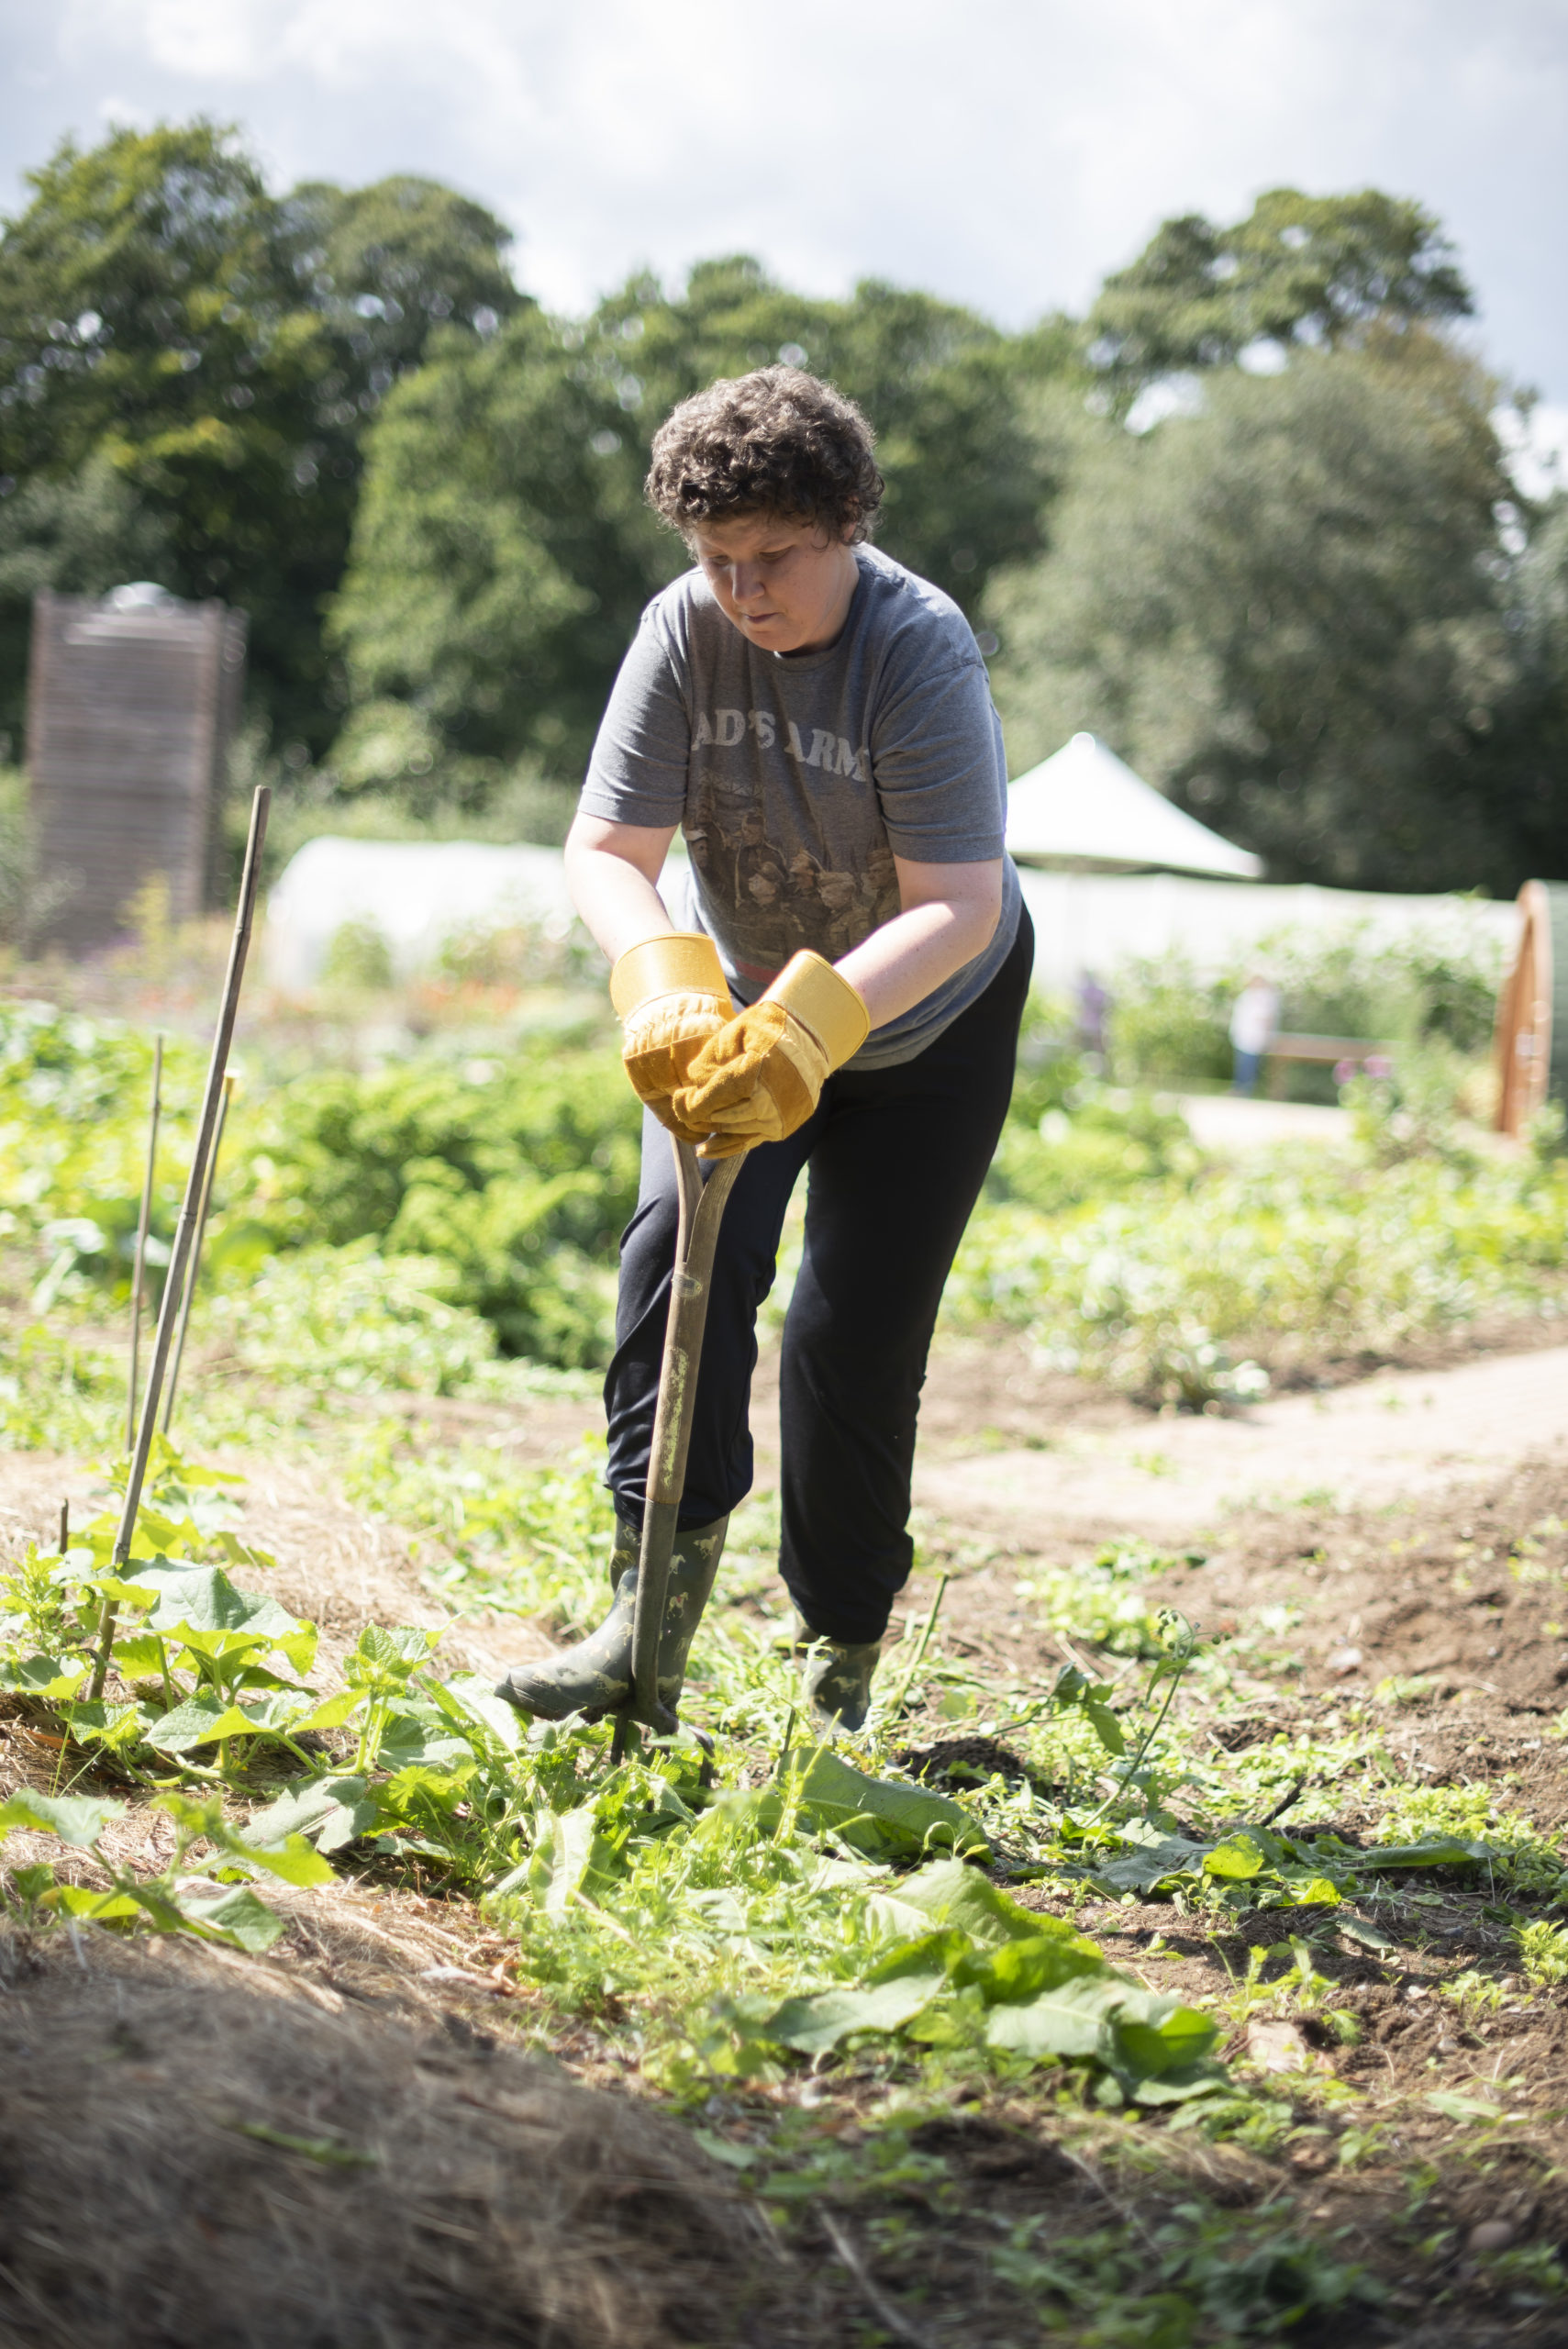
1004 154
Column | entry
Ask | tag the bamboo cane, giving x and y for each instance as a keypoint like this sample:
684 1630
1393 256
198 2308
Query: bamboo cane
143 1221
196 1253
185 1231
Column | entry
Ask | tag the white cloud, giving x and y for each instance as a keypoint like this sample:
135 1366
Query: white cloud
1007 158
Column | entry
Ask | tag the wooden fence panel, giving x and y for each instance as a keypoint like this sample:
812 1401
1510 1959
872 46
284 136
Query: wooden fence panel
131 705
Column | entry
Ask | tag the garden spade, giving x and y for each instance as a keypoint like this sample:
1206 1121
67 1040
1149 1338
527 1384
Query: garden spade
702 1205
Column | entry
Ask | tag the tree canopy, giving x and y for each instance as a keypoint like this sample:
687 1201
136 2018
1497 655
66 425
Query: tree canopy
1317 610
183 351
1317 271
1295 612
503 551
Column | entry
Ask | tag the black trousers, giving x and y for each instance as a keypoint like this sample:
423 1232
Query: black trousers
897 1160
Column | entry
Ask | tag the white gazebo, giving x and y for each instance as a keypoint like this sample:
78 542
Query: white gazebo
1086 811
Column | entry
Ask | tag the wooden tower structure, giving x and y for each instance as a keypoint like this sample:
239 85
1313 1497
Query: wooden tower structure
1531 1035
131 705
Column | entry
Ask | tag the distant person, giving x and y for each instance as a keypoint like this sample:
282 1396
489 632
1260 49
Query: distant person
1255 1024
1093 1003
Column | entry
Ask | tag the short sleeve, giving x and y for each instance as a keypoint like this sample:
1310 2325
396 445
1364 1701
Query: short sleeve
937 757
638 773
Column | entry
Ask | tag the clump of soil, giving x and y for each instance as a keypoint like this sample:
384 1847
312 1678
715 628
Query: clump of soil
964 1762
187 2160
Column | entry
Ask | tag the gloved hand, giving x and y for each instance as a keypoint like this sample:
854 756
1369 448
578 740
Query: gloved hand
761 1076
672 996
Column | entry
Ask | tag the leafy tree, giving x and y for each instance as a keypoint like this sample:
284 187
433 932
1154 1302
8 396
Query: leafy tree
1317 271
1294 611
502 552
384 264
500 560
217 349
966 480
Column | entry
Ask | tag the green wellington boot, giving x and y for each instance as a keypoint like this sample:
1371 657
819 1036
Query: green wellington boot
594 1677
837 1676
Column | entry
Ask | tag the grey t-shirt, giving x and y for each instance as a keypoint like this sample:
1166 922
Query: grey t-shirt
797 776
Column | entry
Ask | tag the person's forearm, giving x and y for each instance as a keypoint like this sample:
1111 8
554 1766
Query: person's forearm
618 904
908 958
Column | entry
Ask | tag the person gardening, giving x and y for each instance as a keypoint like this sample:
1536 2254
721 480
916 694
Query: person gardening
840 704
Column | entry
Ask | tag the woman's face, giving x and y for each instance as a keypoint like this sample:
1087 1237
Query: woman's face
787 586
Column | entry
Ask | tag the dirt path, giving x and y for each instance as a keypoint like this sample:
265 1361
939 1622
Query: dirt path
1399 1434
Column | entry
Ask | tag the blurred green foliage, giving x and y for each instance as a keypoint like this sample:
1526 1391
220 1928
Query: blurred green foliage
517 1177
1435 986
509 1181
1179 1288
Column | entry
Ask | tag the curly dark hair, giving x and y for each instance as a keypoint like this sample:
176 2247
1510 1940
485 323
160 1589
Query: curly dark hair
778 442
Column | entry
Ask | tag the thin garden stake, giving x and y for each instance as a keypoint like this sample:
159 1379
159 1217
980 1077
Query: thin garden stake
64 1527
185 1231
196 1253
154 1113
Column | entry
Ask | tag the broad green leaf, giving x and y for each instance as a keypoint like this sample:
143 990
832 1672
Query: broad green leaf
331 1713
1181 2084
1148 1866
335 1811
293 1860
1237 1859
202 1599
280 1710
385 1659
198 1722
443 1786
873 1814
1151 2035
816 2023
409 1739
50 1677
939 1953
231 1913
570 1856
1313 1891
1064 2022
1432 1852
116 1728
951 1894
466 1693
1105 1724
141 1657
74 1818
127 1595
217 1647
1371 1936
1024 1969
97 1908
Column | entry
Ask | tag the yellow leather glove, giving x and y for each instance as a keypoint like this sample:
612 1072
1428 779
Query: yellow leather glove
672 996
761 1076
